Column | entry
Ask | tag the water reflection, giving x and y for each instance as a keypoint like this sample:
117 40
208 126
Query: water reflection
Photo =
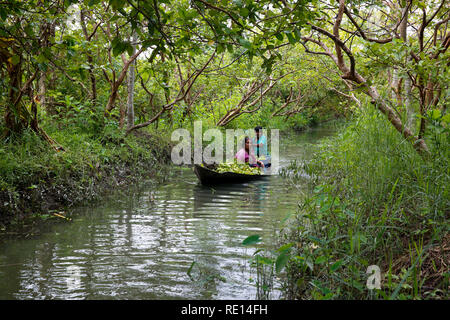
223 197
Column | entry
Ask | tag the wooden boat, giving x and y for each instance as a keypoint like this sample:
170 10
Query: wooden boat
209 177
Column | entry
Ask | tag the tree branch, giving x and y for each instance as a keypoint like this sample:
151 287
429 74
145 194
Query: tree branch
180 97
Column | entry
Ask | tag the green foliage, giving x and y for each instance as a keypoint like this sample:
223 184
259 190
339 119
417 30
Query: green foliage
72 57
236 167
32 173
374 202
250 240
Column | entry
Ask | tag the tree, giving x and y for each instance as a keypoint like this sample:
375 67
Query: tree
22 44
362 39
249 103
88 37
257 26
344 57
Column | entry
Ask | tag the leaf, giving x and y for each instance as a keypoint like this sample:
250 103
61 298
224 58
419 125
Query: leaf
336 265
297 34
421 4
220 48
310 264
320 260
93 2
285 247
190 269
115 42
253 239
434 114
129 49
281 261
244 12
3 14
264 260
120 46
279 36
446 118
291 38
316 240
41 58
116 4
245 43
68 3
118 50
358 285
15 59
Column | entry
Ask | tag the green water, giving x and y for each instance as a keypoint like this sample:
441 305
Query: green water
141 245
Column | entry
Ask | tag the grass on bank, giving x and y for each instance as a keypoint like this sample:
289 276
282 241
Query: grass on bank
374 201
34 178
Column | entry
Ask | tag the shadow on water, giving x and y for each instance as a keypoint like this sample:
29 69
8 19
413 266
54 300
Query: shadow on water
178 240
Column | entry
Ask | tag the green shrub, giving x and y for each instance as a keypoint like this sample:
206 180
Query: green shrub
374 201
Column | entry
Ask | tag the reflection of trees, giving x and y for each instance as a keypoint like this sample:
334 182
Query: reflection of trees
34 273
182 241
133 248
214 198
225 212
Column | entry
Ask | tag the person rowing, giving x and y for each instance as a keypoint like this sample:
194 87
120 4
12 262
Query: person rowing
245 155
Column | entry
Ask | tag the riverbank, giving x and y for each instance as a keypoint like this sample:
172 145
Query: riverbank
38 183
374 201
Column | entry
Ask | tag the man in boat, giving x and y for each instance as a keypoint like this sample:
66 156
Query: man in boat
245 155
260 142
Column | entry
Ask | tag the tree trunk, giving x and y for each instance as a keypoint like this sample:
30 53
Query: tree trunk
396 80
14 122
130 85
407 84
408 105
47 36
90 60
116 84
418 143
42 88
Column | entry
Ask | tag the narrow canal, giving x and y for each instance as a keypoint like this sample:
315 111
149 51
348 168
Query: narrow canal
141 245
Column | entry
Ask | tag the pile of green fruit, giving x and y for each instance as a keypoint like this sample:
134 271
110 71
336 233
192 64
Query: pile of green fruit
237 168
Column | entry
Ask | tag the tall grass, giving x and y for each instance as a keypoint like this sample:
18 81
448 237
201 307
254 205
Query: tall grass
374 201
